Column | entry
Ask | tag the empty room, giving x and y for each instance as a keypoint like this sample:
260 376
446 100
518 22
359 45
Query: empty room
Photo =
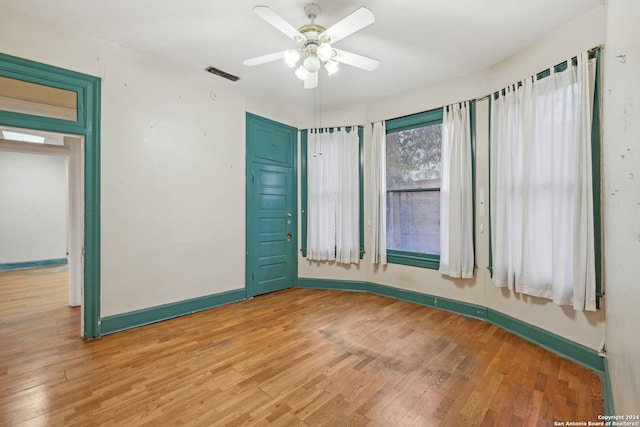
412 213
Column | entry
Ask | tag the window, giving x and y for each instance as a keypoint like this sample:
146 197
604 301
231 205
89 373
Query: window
544 199
303 190
413 189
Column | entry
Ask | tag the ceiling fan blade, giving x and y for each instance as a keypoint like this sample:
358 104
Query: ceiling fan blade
355 60
311 82
274 19
263 59
349 25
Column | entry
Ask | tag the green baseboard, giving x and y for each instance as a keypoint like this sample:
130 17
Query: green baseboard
459 307
467 309
7 266
607 392
336 285
470 310
555 343
121 322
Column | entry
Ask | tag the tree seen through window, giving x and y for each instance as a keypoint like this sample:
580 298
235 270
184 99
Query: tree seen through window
413 189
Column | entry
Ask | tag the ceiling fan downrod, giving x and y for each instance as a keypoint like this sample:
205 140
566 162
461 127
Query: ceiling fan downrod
312 11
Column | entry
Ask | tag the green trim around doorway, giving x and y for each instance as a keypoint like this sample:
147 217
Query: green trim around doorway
87 124
261 154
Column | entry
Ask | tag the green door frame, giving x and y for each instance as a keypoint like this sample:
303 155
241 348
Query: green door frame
87 89
251 120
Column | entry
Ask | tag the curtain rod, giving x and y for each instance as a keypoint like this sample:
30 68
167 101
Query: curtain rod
437 108
593 50
331 128
496 94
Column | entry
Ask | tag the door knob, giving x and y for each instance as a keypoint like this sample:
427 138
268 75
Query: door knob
288 236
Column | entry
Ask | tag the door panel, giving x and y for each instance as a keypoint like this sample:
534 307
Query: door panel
271 206
273 196
276 143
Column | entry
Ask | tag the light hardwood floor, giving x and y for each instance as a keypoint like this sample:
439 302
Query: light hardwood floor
296 357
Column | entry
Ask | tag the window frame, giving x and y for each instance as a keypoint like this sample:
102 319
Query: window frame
304 135
596 164
426 118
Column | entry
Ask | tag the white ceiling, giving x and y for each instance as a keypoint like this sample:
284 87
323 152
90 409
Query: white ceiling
418 42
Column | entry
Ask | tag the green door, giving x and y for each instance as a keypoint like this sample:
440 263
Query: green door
271 206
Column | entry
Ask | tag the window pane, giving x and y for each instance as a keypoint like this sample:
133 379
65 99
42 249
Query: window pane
31 98
413 221
413 158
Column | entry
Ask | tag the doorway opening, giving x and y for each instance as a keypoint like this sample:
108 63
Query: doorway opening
63 101
41 183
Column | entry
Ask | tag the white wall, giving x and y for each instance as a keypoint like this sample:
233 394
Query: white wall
584 328
170 227
621 192
173 172
173 177
33 207
173 167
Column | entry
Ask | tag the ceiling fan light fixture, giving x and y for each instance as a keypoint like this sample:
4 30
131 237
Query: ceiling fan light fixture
291 57
315 44
311 64
302 73
324 51
331 66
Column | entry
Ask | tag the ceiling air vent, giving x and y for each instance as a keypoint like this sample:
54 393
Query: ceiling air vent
217 72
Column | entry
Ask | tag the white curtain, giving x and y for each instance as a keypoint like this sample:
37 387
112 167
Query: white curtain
333 195
541 188
379 194
456 208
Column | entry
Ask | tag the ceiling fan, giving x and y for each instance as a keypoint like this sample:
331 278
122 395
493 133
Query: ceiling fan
314 44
